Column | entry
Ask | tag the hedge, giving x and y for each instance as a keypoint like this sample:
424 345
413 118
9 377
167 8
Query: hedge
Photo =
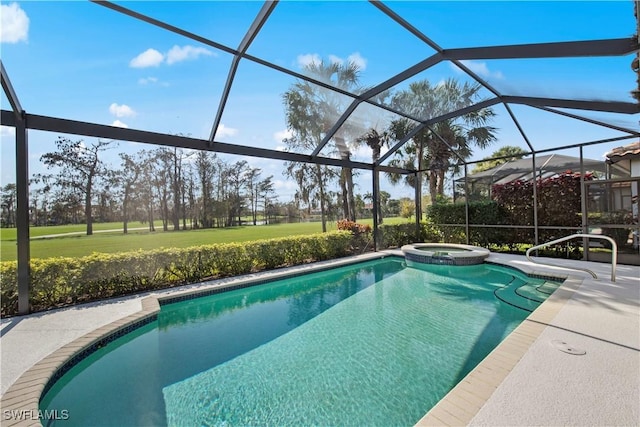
59 281
397 235
558 204
483 212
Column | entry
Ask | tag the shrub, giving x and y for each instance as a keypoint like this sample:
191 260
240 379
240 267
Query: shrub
558 204
361 233
62 281
397 235
621 217
480 212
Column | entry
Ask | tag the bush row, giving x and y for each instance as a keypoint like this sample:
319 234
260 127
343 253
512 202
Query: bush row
397 235
61 281
493 213
485 212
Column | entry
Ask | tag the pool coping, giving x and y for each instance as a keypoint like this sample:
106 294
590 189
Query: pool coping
464 400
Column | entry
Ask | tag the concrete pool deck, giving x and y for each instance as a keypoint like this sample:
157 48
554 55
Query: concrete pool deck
526 380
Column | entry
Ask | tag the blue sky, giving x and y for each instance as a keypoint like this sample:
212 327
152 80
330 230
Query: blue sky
82 61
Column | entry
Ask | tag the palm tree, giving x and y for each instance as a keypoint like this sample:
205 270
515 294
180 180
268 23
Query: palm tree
375 140
311 111
435 149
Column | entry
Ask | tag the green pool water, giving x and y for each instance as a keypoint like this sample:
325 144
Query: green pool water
375 343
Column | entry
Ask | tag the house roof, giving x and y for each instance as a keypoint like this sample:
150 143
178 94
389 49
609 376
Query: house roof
631 151
547 165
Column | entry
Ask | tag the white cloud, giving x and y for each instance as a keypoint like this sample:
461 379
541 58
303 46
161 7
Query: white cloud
152 81
281 185
225 131
153 58
308 59
280 135
178 54
480 68
148 58
7 132
119 124
121 110
336 59
148 80
14 26
357 59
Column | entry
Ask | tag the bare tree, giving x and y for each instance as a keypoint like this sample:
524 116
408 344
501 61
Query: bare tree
253 189
266 191
205 170
80 168
127 178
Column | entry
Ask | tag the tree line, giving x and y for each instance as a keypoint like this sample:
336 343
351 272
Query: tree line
180 188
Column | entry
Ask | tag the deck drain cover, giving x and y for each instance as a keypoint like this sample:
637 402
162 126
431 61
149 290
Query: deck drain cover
568 348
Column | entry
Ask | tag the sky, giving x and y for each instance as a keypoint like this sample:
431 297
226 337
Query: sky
82 61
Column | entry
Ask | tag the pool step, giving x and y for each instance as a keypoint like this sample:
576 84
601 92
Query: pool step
525 295
548 287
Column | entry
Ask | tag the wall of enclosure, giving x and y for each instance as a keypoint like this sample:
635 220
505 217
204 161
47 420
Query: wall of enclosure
600 198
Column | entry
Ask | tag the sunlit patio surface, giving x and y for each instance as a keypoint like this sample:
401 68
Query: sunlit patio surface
532 378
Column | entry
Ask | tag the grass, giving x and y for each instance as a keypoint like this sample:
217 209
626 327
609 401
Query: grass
70 244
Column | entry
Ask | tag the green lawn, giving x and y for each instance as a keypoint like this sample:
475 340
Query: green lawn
76 245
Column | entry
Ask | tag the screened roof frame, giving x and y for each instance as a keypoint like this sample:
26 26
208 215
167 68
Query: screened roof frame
22 121
607 47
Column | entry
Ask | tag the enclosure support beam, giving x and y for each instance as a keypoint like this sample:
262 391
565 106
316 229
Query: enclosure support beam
375 201
535 199
22 191
466 203
583 209
575 104
517 123
22 215
573 49
418 203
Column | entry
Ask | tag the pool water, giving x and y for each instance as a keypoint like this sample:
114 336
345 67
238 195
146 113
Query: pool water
374 343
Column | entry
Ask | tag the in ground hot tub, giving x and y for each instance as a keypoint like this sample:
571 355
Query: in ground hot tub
444 254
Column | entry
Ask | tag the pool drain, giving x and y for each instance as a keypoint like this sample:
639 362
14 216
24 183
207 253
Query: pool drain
568 348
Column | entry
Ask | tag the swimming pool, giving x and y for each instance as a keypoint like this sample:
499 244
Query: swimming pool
375 343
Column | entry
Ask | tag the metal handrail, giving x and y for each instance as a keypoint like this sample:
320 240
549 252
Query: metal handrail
614 252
